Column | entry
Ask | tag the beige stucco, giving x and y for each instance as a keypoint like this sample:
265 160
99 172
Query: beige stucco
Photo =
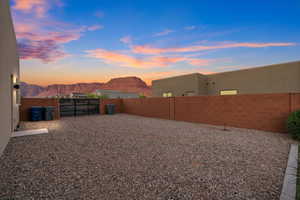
9 69
180 85
278 78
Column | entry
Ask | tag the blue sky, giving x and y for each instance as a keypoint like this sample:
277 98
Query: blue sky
68 41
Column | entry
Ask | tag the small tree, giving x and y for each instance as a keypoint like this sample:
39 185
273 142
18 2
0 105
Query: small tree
93 96
142 96
293 124
104 96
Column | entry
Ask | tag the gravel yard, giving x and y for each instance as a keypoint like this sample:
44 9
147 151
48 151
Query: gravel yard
131 157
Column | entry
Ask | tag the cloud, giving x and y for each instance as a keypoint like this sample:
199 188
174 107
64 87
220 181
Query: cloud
165 32
39 36
99 14
198 62
57 37
126 40
112 57
189 28
95 27
23 27
45 50
44 45
37 7
147 49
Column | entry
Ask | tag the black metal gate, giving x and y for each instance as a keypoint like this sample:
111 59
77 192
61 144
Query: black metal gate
76 107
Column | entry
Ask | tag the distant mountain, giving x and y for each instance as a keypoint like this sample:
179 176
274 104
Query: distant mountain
30 90
128 84
62 89
125 84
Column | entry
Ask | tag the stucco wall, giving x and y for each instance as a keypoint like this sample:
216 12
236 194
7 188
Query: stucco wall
9 65
279 78
179 85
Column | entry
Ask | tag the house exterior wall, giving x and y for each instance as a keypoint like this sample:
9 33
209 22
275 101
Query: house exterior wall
9 69
190 84
279 78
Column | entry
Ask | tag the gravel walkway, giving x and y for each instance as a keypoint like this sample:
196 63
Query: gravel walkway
130 157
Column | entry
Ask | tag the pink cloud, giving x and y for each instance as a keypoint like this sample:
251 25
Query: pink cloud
54 36
43 45
130 61
198 62
37 7
35 33
146 49
94 28
45 50
22 27
126 40
165 32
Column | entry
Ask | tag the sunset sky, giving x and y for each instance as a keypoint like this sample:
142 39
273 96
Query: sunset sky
71 41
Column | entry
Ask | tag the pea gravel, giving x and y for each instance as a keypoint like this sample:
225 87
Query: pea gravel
131 157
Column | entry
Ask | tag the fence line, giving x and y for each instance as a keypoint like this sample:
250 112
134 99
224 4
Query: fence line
266 112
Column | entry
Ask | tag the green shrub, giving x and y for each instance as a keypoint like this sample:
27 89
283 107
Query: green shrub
293 124
91 95
142 96
95 96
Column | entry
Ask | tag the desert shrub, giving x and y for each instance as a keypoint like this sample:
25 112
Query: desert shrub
95 96
91 95
104 96
293 124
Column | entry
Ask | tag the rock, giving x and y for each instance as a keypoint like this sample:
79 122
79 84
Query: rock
124 84
30 90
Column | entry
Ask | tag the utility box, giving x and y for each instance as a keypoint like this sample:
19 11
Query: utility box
49 113
110 109
36 113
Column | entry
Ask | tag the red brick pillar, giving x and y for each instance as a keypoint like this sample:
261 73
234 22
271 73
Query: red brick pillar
172 108
102 106
294 101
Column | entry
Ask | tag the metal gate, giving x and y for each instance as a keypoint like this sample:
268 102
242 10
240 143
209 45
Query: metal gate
76 107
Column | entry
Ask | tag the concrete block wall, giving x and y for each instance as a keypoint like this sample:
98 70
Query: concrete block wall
117 102
261 112
148 107
295 101
267 112
26 103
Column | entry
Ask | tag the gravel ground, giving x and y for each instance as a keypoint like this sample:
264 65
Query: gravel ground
130 157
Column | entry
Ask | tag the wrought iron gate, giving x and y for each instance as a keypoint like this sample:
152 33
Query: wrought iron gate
76 107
